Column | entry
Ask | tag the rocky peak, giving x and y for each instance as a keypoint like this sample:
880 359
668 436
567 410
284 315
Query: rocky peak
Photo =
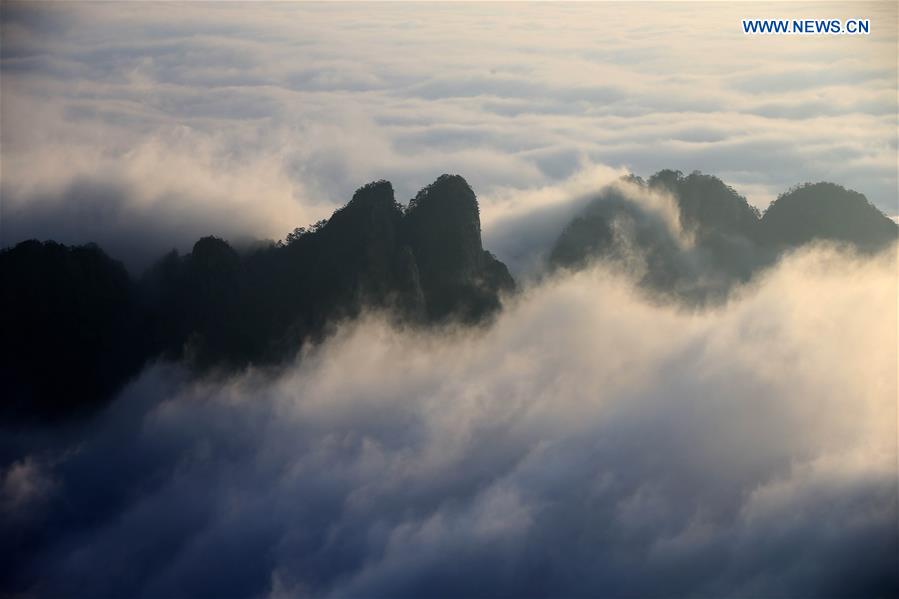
443 227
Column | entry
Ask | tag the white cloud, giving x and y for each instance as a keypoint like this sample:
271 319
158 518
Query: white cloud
258 119
589 441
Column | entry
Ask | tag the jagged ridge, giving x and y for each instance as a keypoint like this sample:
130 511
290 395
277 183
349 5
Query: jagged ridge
218 308
731 240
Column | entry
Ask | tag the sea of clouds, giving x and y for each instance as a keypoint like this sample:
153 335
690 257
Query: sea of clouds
143 126
593 440
590 442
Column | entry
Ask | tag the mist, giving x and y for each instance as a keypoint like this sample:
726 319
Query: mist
590 441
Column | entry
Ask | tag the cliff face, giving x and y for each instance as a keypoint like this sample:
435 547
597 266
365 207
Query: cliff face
426 262
217 308
443 229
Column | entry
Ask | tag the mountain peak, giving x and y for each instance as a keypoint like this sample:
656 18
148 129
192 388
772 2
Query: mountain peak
707 204
380 191
446 189
826 211
730 242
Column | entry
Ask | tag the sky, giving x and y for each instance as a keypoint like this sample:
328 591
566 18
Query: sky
143 126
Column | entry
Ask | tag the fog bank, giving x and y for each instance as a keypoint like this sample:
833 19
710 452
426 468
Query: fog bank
589 442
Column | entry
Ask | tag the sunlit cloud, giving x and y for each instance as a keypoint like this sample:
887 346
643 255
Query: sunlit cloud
255 121
595 437
589 442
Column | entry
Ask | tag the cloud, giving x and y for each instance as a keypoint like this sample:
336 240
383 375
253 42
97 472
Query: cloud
587 443
251 121
522 227
24 483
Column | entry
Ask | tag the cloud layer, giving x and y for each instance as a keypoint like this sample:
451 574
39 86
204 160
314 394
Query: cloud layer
588 443
249 121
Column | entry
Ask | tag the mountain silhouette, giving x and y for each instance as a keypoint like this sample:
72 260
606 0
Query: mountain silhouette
708 207
70 331
216 308
443 229
719 240
825 211
77 327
